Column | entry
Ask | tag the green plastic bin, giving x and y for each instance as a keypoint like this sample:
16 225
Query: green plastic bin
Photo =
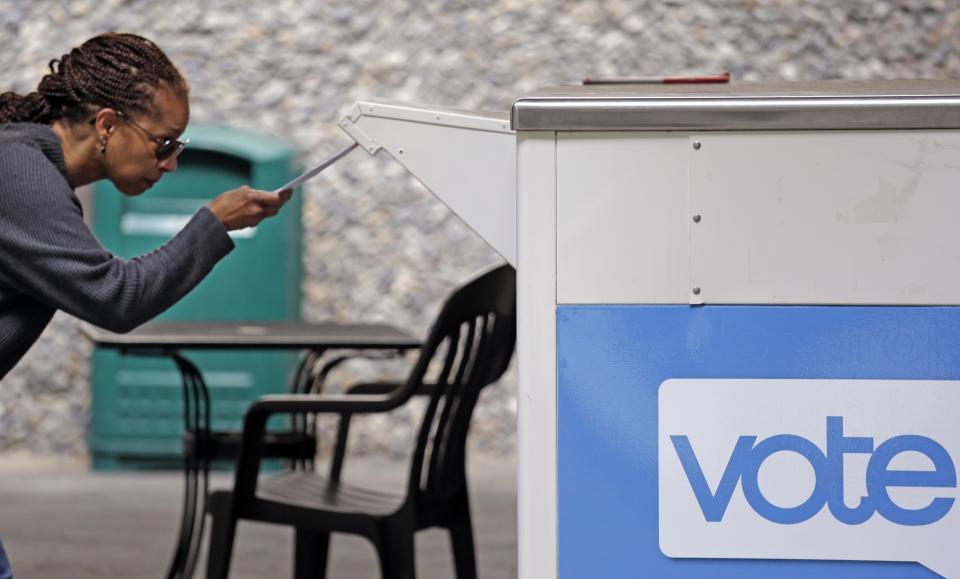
137 406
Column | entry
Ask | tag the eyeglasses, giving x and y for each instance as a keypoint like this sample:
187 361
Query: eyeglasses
166 147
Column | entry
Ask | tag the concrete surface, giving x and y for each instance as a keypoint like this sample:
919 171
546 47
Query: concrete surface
59 520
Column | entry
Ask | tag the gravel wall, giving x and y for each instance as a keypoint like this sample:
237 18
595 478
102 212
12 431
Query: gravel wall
378 246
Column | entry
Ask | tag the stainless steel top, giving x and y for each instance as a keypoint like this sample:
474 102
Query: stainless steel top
742 106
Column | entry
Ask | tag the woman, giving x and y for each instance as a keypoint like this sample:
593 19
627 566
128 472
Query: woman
113 108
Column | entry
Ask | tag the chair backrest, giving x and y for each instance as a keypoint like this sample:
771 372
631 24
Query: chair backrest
469 347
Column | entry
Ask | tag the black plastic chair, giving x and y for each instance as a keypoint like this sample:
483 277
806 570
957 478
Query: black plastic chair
469 347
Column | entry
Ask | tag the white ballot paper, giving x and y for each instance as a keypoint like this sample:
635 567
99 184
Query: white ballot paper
316 170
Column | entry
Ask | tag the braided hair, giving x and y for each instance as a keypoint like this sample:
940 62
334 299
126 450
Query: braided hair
116 70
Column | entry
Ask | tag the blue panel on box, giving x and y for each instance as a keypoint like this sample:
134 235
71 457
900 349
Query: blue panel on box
611 361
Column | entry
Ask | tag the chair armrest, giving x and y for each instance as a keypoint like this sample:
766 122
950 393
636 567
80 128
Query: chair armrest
340 448
265 406
255 423
387 387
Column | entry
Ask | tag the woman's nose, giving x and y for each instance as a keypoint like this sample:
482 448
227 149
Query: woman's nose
169 165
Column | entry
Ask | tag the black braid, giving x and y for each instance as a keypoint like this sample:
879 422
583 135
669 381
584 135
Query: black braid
116 70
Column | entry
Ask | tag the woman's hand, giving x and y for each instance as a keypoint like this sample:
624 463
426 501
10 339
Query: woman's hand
246 207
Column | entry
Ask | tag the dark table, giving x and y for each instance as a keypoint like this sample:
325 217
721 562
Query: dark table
167 339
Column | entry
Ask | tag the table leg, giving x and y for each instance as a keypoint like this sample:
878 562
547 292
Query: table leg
196 459
303 380
196 403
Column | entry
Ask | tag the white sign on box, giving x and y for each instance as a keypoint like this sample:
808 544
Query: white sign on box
810 469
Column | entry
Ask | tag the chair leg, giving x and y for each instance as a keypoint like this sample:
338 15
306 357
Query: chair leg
461 538
222 534
396 551
310 554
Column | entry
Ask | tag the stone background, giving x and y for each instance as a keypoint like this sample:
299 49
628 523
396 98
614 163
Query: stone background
378 246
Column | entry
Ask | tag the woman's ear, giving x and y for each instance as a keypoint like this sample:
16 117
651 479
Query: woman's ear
105 122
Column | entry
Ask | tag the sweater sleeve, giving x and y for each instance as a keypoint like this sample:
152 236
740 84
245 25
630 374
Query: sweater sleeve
49 253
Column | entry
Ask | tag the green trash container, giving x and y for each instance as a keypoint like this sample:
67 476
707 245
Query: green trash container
137 405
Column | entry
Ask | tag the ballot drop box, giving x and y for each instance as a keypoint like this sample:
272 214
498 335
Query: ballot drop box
739 333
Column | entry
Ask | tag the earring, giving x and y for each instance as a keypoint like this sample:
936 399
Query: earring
103 146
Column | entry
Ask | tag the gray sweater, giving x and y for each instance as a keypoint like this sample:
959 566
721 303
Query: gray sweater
50 260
